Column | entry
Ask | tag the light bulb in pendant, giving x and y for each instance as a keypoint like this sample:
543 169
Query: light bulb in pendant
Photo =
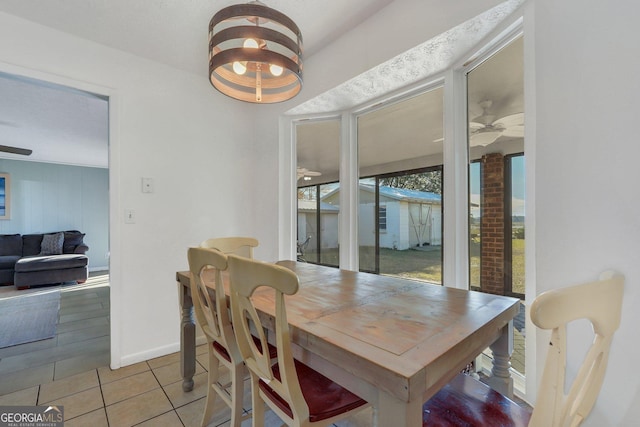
239 67
250 43
276 70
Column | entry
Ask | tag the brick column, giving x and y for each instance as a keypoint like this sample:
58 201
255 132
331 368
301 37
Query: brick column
492 224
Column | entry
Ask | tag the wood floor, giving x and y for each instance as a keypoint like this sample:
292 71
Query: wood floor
82 340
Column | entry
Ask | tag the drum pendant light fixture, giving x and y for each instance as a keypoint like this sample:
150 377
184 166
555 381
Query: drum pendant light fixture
255 53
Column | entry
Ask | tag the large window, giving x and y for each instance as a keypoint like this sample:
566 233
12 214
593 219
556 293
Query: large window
496 180
496 172
317 173
401 170
400 156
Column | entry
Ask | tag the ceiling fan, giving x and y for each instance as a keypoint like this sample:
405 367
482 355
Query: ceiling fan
15 150
305 173
484 129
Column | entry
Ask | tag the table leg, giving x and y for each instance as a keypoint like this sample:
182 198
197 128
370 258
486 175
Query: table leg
391 411
502 348
187 338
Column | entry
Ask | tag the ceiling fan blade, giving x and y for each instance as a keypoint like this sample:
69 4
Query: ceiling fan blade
514 132
484 138
510 121
15 150
475 126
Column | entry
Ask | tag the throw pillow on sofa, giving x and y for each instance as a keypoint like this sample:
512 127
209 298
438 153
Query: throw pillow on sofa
31 244
72 238
52 244
10 244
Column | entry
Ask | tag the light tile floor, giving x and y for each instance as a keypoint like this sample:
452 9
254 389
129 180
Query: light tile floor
81 343
145 394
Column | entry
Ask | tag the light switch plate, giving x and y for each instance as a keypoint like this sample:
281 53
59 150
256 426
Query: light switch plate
129 216
147 185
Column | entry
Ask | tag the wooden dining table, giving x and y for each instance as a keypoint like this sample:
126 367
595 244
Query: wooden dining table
394 342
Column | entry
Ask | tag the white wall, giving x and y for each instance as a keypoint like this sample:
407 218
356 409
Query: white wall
586 171
49 197
165 124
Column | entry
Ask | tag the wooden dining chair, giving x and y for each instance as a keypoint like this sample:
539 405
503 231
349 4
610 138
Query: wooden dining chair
242 246
213 318
467 402
299 395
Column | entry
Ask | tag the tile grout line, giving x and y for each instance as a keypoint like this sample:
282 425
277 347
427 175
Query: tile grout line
104 403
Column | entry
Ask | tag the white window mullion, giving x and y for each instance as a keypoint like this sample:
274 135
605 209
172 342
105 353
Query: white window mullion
456 209
287 217
348 219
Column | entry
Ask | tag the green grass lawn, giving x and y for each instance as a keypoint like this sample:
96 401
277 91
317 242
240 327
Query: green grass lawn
426 264
517 268
414 264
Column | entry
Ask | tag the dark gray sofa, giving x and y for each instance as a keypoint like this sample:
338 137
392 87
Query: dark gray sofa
24 262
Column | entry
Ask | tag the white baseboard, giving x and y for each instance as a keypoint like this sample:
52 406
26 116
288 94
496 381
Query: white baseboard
153 353
147 355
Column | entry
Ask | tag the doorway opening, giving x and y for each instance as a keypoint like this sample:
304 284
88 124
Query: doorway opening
61 185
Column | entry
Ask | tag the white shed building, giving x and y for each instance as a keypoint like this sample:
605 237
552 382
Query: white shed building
408 218
308 224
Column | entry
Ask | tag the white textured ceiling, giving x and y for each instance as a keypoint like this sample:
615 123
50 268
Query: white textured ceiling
59 124
171 32
427 59
409 134
174 32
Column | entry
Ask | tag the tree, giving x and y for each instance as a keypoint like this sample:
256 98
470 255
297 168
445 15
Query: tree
425 181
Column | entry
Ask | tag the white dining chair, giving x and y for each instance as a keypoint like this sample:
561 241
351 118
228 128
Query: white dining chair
467 402
298 394
213 318
242 246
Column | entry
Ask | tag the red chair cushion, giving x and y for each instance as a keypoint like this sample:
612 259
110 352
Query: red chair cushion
219 348
221 351
324 397
466 402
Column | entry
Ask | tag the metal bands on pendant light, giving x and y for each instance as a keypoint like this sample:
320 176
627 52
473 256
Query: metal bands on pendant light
255 54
